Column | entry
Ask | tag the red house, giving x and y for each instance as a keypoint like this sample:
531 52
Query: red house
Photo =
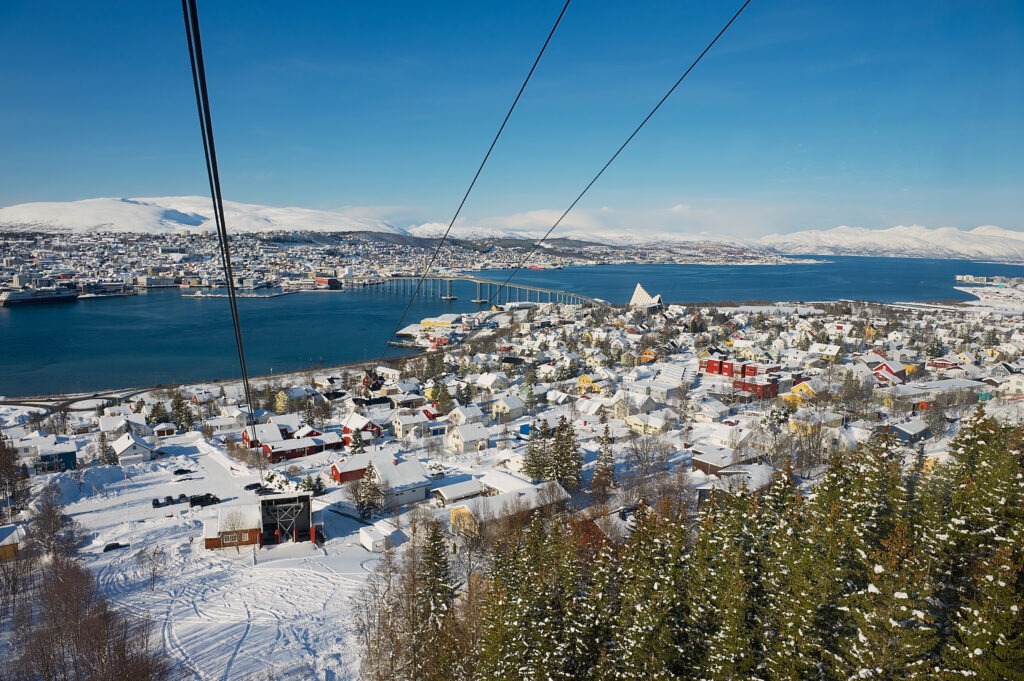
293 449
354 422
762 387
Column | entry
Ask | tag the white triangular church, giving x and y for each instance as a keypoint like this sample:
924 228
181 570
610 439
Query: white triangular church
644 300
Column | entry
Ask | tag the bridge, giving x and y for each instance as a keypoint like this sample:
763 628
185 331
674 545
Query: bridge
488 292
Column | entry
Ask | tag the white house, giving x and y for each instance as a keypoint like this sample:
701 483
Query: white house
467 438
132 449
460 416
507 408
409 424
403 481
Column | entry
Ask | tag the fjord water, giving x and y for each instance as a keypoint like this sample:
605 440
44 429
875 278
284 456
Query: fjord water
159 337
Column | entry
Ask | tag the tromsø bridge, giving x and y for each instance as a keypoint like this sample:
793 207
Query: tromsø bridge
488 292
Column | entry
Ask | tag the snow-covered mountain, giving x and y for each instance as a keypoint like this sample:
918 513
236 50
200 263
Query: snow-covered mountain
985 242
181 213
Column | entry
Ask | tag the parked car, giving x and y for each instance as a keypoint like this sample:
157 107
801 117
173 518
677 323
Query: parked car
182 498
182 471
203 499
113 546
168 500
253 486
263 491
156 503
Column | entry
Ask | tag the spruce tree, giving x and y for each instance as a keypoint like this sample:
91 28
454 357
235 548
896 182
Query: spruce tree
158 414
356 445
369 498
733 648
987 640
181 412
537 460
604 471
645 641
105 452
444 400
565 463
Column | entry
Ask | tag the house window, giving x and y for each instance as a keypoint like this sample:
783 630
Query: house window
245 536
229 538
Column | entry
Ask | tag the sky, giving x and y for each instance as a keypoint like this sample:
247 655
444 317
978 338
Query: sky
806 115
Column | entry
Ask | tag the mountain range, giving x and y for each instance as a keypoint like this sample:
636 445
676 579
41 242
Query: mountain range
190 213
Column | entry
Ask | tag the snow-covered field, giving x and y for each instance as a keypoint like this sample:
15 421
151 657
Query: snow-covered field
220 614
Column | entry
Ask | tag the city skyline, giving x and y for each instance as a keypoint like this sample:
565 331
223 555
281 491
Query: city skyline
803 117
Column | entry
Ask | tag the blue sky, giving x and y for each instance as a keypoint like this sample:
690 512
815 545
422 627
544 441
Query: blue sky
807 115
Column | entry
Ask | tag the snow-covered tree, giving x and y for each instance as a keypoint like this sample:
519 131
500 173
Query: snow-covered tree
369 497
604 471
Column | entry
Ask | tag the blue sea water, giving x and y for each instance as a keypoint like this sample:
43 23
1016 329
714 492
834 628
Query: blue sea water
160 337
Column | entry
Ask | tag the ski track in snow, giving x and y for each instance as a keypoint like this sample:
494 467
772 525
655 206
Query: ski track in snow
216 614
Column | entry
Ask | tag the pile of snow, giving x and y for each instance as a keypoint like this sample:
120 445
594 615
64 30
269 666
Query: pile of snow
93 480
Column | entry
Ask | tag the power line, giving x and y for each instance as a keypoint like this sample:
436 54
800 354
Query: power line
618 151
440 244
195 53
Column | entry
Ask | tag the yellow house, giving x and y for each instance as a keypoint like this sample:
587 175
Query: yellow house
586 385
750 353
870 332
803 424
801 393
648 356
11 536
995 353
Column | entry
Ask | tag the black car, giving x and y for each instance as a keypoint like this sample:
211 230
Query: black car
182 471
263 491
182 498
113 546
253 486
168 500
203 499
156 503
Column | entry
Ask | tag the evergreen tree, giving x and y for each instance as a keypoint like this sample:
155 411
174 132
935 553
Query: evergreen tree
987 640
788 612
105 452
593 613
369 497
530 399
464 394
604 472
525 629
734 646
181 412
444 400
355 444
158 414
536 461
645 640
565 463
435 594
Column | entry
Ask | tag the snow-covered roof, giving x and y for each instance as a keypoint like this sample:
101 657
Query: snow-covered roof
398 474
126 441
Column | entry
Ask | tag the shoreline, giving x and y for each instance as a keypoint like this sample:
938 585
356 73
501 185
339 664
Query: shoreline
131 391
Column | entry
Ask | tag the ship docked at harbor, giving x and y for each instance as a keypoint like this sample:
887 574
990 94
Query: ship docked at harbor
37 296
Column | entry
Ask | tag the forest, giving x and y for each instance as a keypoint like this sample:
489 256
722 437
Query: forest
886 568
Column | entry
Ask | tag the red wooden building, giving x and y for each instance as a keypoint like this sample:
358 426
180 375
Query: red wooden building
293 449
